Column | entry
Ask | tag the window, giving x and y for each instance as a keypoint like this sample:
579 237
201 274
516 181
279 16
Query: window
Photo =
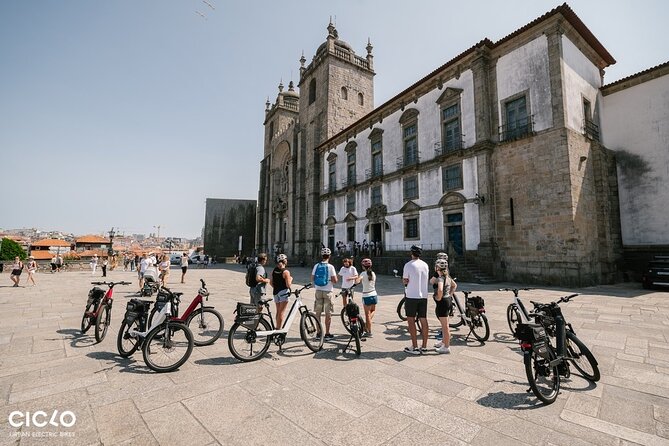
376 195
350 202
350 233
344 93
411 228
375 138
451 177
361 99
411 188
350 168
590 129
517 121
312 91
331 207
411 144
332 176
450 123
271 130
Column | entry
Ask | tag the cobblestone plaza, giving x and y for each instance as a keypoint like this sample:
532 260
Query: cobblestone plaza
476 395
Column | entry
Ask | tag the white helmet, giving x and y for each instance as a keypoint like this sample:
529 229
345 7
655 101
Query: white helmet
441 264
326 252
442 255
281 258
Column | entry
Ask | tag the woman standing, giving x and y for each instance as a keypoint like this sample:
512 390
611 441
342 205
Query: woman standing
94 264
17 268
184 266
164 268
442 296
369 297
348 275
281 281
32 268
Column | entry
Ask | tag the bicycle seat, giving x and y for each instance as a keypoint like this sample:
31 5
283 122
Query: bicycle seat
265 301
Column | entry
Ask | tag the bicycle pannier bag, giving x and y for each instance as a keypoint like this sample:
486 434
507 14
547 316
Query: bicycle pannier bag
476 302
95 295
352 310
247 315
134 309
321 274
530 333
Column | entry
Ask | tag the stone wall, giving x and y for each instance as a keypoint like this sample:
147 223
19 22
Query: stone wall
225 220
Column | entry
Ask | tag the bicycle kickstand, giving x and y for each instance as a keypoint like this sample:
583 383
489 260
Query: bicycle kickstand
347 345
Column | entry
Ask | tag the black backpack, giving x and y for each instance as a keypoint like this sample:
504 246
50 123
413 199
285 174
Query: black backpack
251 274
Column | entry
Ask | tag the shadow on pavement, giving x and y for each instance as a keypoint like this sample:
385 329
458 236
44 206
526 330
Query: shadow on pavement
127 365
76 338
505 400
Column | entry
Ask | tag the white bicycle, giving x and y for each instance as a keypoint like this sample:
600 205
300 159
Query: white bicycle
250 335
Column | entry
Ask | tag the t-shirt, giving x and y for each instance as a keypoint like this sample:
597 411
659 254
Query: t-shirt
331 273
260 271
368 286
345 273
184 261
143 264
418 274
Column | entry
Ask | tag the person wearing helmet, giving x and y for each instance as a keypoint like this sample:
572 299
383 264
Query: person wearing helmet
324 276
369 297
433 280
445 287
281 281
415 277
348 275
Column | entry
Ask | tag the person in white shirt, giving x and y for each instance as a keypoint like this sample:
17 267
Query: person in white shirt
369 297
348 275
141 269
324 276
184 266
415 277
164 268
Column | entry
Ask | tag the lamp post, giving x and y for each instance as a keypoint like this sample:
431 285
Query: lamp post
110 251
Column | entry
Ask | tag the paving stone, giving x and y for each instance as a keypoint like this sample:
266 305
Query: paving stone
173 424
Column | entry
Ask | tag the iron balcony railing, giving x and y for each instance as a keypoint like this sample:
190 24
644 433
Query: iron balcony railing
520 128
591 130
349 182
450 146
407 161
373 173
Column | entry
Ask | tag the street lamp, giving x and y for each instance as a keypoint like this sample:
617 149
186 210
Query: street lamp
110 251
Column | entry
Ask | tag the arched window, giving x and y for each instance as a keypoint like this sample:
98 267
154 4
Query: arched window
344 93
312 91
361 99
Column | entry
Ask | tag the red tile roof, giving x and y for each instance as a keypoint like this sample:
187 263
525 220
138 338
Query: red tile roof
92 252
51 242
41 255
91 239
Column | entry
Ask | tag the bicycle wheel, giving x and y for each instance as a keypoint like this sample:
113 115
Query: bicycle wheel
86 319
480 328
245 345
544 380
460 320
356 336
513 318
127 345
167 347
311 332
102 322
401 310
582 357
345 322
206 325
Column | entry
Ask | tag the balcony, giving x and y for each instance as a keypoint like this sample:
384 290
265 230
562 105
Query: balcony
349 182
373 173
407 161
330 188
591 130
517 129
452 145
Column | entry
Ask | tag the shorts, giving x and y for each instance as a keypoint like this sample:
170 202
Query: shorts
416 307
282 296
16 272
164 274
183 269
370 300
444 306
256 295
323 302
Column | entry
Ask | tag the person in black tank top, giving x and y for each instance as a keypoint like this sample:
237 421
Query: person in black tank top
281 281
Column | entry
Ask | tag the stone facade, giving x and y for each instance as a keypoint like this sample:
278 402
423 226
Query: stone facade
224 222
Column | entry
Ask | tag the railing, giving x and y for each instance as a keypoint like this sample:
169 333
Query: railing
329 188
591 130
517 129
373 173
452 146
348 182
406 161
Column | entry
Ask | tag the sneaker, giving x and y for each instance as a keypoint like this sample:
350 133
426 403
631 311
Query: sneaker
368 334
438 344
423 350
443 349
328 336
412 351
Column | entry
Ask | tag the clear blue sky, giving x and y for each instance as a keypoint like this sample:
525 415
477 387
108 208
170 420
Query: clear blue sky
131 113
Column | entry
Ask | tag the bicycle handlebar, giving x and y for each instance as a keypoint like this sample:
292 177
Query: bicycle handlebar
299 290
514 290
204 285
111 284
563 299
348 289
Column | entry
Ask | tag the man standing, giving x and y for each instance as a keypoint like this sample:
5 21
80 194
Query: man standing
324 276
258 291
415 277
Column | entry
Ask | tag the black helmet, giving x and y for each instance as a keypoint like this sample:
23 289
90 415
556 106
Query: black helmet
416 250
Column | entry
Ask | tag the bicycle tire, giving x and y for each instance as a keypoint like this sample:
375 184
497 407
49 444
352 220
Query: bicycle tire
513 317
86 320
547 377
401 310
247 338
126 346
164 340
456 324
205 330
576 357
102 322
345 322
356 337
311 331
480 327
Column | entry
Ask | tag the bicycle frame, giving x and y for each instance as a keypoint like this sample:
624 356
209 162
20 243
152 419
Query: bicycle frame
524 314
297 304
158 320
108 297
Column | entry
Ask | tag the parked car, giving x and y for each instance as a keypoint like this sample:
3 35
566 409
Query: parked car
175 259
657 272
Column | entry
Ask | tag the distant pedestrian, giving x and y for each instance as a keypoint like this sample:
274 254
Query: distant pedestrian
104 267
164 268
141 269
32 268
59 262
184 266
324 276
17 269
94 264
53 264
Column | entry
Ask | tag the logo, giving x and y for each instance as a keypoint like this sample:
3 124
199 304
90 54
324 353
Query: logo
41 419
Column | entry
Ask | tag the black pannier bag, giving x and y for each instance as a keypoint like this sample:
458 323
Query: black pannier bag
476 302
352 310
530 333
95 295
134 309
247 315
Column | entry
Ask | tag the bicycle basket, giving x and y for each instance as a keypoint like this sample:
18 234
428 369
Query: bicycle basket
476 302
95 295
530 333
352 310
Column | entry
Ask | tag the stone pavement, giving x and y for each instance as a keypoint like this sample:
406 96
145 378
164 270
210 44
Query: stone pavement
476 395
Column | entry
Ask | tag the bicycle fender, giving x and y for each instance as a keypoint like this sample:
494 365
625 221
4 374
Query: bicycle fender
210 307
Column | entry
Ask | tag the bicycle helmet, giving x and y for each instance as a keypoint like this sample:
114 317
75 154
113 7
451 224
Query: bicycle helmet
441 264
281 258
416 250
366 263
326 252
442 255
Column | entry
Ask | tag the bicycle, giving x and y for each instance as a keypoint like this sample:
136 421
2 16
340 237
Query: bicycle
401 309
352 319
516 312
473 314
244 333
98 309
165 339
545 363
207 323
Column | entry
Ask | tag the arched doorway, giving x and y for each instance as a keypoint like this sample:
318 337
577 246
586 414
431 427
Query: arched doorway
453 213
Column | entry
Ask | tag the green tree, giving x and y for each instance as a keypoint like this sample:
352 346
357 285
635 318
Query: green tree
11 249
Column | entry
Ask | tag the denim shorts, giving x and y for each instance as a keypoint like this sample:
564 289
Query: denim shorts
282 296
370 300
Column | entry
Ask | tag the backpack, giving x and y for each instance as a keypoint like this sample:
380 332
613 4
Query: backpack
251 273
321 274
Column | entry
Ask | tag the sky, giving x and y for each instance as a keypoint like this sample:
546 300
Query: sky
131 113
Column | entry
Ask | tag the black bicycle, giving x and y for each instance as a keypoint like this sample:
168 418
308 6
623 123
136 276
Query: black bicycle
544 362
472 314
353 320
